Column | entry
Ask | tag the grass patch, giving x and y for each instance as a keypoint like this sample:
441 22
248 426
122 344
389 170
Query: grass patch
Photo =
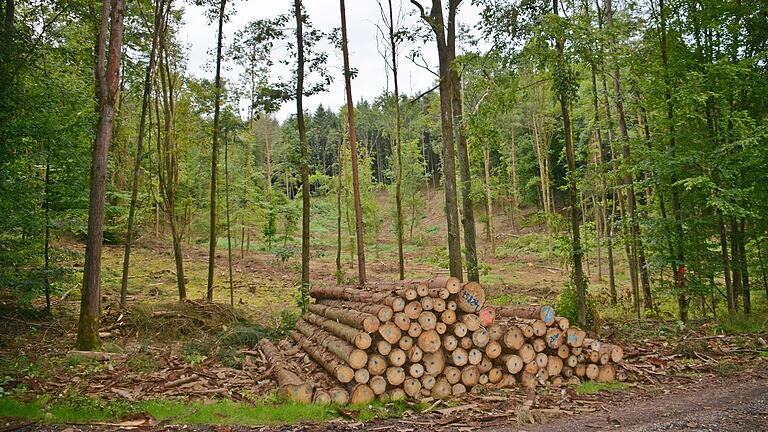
741 324
222 412
11 409
592 387
383 410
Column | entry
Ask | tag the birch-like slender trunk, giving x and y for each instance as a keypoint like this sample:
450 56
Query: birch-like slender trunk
214 156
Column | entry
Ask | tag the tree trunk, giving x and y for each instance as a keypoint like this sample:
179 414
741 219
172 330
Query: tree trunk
578 273
637 249
46 247
468 210
167 156
596 210
679 251
730 292
542 166
489 200
607 212
229 232
305 214
515 189
762 267
338 209
353 150
268 151
214 155
631 258
436 23
179 261
107 81
148 76
398 144
747 301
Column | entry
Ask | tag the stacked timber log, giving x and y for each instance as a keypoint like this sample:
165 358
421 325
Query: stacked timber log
415 339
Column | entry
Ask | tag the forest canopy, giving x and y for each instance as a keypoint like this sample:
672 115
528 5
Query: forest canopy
631 134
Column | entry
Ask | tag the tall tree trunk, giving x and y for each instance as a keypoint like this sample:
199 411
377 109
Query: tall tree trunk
598 236
489 200
305 213
745 287
148 77
631 259
543 176
398 144
229 233
436 23
107 82
47 208
468 209
338 207
730 294
637 249
762 267
268 151
578 273
607 212
167 157
683 299
353 150
735 262
214 155
515 189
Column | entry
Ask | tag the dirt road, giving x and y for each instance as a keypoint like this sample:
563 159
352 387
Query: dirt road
739 407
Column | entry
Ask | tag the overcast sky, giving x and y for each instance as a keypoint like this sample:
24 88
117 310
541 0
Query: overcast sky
362 16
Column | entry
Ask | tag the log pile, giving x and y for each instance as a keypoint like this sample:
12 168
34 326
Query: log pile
416 339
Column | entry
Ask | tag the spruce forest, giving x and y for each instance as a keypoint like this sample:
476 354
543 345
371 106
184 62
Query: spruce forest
384 214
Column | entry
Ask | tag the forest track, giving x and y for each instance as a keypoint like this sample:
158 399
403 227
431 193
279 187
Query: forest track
740 406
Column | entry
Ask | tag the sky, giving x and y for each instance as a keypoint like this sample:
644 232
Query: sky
362 16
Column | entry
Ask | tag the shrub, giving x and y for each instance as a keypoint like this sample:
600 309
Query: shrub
567 306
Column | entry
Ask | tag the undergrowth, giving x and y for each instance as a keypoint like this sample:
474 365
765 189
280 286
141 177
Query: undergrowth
223 412
592 387
80 409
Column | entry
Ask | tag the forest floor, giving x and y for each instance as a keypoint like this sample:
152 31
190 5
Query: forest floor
680 370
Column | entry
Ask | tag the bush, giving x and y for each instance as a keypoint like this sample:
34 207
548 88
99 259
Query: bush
567 306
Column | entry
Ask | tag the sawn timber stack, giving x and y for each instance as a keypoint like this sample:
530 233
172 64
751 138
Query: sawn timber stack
438 338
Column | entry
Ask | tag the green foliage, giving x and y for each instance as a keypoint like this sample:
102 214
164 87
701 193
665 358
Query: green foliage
285 253
742 324
566 305
528 244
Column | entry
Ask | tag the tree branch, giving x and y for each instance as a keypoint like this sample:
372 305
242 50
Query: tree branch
414 100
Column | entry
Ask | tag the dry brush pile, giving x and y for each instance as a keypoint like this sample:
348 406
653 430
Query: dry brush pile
434 338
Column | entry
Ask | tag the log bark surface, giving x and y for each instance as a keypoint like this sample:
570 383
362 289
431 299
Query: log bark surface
291 385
